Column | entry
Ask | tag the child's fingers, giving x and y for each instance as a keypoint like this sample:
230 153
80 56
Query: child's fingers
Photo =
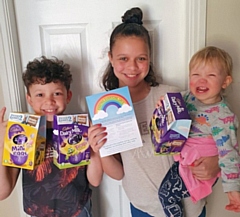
232 207
98 145
96 135
159 103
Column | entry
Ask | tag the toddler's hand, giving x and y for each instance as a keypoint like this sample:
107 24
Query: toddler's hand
234 201
97 137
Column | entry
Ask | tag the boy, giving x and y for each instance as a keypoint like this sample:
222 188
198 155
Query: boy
47 190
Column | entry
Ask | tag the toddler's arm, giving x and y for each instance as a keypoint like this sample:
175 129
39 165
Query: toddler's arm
8 175
234 201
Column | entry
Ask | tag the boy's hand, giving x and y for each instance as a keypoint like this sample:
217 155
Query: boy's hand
234 201
3 125
97 137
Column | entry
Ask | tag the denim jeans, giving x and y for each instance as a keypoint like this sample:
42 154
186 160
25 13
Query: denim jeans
203 214
87 210
138 213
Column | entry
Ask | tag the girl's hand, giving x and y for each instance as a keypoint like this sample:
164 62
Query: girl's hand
111 165
159 102
97 137
205 168
234 201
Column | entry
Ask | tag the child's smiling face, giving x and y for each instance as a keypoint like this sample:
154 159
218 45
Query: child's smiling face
48 99
130 58
207 81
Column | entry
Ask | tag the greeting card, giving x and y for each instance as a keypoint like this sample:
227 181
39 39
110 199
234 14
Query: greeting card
114 110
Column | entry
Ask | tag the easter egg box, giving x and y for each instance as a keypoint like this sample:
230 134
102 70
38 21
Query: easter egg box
170 125
70 140
24 141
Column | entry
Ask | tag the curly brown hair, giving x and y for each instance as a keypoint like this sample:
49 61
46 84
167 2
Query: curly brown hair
43 70
131 26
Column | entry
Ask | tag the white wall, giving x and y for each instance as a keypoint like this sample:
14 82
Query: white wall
223 30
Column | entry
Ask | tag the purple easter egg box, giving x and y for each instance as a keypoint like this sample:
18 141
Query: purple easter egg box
170 125
70 139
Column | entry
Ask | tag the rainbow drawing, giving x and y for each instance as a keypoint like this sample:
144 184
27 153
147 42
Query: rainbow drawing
111 99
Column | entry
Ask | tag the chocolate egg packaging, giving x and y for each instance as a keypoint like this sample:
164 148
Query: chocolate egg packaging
70 140
24 141
170 125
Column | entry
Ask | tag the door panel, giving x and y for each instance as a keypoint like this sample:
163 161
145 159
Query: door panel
78 32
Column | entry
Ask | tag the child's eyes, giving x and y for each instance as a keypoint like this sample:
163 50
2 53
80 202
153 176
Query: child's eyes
142 58
39 95
58 94
123 58
55 94
212 75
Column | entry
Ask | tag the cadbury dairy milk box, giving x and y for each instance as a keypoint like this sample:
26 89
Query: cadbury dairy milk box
170 125
70 140
24 141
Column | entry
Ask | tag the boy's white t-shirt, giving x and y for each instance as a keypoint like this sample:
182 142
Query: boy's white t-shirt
144 171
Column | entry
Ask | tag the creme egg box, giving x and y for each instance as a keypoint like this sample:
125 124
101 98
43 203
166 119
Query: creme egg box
24 141
70 140
170 125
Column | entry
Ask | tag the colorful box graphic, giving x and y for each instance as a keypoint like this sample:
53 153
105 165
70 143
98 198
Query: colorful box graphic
70 139
170 125
24 141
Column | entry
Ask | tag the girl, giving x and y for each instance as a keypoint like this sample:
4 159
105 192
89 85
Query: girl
129 65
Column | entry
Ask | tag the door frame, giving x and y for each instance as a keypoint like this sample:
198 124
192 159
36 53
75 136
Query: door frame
11 67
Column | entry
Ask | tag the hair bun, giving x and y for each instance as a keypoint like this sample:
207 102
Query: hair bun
134 15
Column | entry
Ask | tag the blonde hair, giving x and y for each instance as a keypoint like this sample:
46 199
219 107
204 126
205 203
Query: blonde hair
210 54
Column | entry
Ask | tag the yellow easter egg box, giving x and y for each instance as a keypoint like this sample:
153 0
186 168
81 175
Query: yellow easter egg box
24 141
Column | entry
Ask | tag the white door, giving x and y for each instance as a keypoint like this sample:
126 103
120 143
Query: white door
78 32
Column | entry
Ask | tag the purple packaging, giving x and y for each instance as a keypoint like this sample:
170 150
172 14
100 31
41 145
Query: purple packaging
70 140
170 125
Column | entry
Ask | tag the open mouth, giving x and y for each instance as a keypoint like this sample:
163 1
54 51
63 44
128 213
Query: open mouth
202 89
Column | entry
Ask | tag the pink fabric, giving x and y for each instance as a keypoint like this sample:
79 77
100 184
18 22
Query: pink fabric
193 149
